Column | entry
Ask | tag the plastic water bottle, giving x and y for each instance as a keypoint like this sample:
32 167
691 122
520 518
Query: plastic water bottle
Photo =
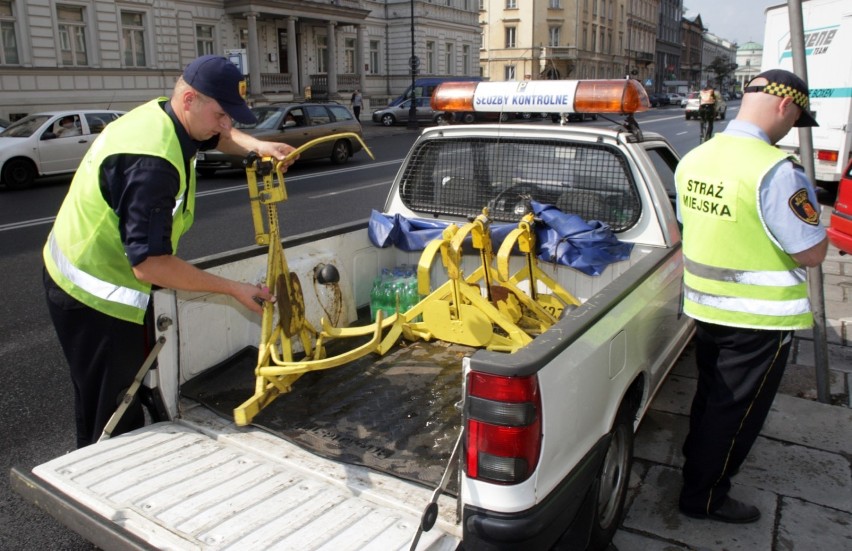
375 297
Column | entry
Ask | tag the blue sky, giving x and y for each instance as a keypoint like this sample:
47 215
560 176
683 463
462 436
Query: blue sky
740 21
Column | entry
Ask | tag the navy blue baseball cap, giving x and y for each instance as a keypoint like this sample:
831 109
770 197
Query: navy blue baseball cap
218 78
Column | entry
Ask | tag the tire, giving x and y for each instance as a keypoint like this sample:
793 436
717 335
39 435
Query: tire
686 115
468 118
504 117
340 152
722 115
388 120
206 172
613 481
19 173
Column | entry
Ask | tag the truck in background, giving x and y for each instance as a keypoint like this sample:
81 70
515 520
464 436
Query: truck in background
828 41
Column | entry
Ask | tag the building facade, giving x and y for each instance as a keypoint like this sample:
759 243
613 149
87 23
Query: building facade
102 53
668 49
553 39
692 37
749 58
642 17
714 47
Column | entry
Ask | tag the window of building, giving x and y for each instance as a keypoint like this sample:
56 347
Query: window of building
72 35
322 54
375 57
511 4
133 38
594 38
585 38
204 39
511 33
349 55
466 60
509 72
8 38
554 37
554 4
449 63
430 58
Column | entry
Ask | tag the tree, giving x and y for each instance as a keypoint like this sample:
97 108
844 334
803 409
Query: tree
722 68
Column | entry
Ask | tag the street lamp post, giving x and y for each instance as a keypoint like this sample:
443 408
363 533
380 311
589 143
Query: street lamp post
412 66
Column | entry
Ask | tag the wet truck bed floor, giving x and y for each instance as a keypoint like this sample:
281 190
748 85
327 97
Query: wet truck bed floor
399 413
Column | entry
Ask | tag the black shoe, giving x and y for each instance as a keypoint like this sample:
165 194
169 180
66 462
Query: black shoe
731 511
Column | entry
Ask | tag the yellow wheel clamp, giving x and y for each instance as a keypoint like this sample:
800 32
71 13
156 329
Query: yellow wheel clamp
276 369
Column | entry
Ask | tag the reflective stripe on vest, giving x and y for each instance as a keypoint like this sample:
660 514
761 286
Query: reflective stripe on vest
93 285
778 308
774 278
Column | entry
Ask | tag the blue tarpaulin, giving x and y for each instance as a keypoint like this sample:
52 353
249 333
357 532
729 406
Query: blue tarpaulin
562 238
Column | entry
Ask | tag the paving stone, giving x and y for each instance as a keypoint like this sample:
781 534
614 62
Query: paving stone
675 396
839 357
812 424
800 381
655 512
804 525
628 541
797 471
660 438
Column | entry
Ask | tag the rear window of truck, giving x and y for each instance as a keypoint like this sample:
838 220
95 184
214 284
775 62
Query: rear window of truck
458 177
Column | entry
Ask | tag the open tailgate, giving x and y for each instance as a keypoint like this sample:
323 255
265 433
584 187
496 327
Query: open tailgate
205 484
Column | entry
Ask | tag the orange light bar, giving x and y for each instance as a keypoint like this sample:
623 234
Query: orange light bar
537 96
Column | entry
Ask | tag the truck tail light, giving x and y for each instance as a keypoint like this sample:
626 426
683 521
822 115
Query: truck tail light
826 155
503 438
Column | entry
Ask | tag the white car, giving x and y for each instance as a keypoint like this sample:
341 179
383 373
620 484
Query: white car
48 143
692 106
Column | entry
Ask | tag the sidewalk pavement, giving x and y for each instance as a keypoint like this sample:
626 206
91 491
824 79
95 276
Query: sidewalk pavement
799 472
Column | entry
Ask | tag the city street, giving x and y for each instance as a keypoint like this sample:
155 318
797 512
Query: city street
36 407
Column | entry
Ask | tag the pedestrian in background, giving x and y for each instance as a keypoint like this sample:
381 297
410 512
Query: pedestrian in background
117 232
750 227
356 102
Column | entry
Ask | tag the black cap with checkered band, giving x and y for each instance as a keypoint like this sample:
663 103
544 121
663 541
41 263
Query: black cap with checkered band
785 84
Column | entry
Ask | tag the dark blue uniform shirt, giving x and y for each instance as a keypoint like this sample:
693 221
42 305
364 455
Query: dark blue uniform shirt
141 189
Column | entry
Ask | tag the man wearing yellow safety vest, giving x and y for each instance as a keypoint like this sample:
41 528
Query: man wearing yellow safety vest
117 233
750 226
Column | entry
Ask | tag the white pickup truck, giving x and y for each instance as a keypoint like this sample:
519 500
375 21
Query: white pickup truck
429 444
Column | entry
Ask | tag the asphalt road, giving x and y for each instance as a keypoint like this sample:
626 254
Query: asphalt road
36 407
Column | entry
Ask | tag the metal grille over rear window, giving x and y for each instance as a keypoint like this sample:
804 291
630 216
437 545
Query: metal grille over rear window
458 177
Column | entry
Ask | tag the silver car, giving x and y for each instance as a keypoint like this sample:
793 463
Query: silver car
392 115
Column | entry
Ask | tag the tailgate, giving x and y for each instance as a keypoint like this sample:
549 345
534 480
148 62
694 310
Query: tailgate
204 484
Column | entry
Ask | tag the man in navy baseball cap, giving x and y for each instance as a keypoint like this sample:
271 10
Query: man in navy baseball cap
216 77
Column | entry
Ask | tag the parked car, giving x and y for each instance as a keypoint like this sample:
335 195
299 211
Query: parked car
683 100
393 114
694 100
674 99
573 117
48 143
294 124
840 228
4 124
657 99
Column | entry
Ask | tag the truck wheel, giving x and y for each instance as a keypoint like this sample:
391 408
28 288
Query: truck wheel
613 480
19 173
341 152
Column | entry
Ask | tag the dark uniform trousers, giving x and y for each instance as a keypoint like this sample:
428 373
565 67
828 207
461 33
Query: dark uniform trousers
739 372
104 354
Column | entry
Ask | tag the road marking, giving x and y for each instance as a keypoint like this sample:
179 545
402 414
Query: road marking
348 190
242 187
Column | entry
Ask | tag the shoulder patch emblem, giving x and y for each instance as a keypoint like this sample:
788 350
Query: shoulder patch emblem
803 209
